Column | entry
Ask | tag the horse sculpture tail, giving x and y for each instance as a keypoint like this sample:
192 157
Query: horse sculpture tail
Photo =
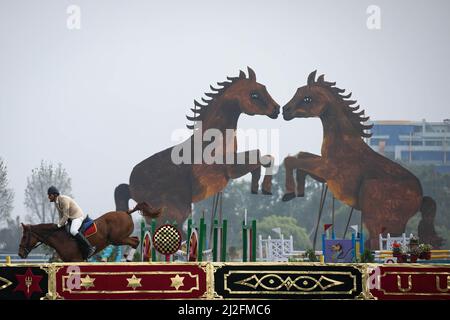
427 233
146 210
122 196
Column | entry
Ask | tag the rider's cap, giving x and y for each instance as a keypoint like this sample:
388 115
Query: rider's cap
53 190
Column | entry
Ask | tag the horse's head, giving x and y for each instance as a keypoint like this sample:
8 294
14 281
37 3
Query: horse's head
252 96
28 241
309 101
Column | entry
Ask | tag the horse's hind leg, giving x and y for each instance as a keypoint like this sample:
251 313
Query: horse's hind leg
133 242
251 162
387 204
304 163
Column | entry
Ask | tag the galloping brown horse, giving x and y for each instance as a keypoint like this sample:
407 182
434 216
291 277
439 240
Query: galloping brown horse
114 227
387 194
160 181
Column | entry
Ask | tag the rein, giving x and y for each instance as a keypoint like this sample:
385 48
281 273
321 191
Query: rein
41 242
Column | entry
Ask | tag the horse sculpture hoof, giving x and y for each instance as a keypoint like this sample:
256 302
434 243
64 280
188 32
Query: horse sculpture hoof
254 192
288 196
267 193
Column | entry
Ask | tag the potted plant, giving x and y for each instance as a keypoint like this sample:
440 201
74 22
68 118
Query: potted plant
311 255
413 243
414 254
396 249
425 251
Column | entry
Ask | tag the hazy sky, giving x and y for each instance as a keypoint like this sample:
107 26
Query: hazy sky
103 98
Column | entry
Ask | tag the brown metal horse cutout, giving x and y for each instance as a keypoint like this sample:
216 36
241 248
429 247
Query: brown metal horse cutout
114 227
162 182
387 194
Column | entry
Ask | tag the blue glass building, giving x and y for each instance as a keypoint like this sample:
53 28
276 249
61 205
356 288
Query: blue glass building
421 142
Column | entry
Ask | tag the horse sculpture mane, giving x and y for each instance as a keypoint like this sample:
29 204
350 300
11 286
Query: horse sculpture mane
357 119
214 95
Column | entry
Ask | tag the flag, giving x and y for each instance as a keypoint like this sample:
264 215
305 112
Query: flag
327 226
277 230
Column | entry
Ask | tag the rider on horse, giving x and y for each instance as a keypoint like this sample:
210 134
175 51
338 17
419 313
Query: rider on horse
71 213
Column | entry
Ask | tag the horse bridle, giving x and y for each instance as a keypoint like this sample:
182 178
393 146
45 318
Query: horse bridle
39 243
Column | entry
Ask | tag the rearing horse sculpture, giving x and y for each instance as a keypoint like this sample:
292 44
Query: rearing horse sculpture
162 182
387 194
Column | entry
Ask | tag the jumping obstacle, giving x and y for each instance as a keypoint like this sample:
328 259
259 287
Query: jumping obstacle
219 239
248 241
197 246
386 243
331 248
282 249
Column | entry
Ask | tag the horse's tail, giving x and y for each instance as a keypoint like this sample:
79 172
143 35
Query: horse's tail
427 233
122 196
146 210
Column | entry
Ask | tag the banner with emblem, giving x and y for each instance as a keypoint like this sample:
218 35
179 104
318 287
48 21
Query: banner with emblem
23 282
130 281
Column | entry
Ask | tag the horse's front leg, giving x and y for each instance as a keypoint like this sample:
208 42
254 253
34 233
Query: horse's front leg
251 162
304 163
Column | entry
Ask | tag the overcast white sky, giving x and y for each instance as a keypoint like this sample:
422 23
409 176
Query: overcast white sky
101 99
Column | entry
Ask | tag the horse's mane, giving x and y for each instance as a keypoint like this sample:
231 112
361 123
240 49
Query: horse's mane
357 119
199 109
45 229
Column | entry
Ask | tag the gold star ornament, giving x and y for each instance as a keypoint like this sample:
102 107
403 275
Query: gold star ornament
134 282
177 281
87 282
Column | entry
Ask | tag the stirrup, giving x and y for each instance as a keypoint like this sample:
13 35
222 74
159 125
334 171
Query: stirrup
91 251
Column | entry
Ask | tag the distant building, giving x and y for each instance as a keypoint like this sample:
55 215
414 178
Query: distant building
421 143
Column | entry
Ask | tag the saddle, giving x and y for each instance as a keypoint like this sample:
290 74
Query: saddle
88 227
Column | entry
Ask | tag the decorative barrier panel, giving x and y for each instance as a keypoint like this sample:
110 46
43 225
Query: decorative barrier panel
23 282
411 282
288 281
126 281
130 281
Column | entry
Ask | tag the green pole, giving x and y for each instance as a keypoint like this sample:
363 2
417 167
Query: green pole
201 240
152 233
142 238
224 241
188 238
253 258
244 242
215 246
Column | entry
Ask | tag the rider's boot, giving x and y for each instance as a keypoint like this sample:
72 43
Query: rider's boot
87 248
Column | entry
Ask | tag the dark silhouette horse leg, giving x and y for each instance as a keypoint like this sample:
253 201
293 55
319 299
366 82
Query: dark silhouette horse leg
306 164
247 164
383 207
122 197
427 233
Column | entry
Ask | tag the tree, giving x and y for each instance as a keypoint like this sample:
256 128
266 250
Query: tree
288 226
6 194
10 235
40 209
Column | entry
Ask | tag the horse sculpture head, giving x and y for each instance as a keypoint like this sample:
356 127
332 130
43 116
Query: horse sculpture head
320 98
309 101
28 242
252 96
237 95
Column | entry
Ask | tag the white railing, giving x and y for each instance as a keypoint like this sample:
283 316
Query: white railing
277 249
386 243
